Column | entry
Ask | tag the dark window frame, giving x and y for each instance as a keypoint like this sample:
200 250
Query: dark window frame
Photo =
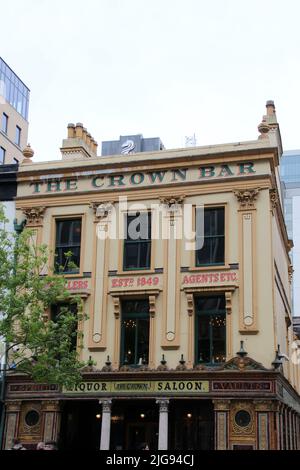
209 313
141 243
4 155
18 136
6 123
65 247
216 237
136 316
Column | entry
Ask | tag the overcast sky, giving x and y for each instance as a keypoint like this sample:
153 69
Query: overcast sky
166 68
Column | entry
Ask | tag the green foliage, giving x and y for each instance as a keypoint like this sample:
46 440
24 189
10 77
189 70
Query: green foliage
36 344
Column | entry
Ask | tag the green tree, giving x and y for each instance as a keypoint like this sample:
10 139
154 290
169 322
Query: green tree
36 344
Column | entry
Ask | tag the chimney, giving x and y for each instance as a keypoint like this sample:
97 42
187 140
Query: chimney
79 144
269 127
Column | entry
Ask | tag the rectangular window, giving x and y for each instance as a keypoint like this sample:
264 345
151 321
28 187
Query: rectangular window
137 243
210 329
2 155
135 328
18 136
60 309
213 249
4 124
67 247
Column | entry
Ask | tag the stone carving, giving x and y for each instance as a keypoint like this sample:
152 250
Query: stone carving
242 363
34 215
101 209
163 405
106 405
172 203
274 198
190 304
290 273
246 197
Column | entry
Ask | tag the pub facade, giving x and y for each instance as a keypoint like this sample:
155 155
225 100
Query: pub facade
182 262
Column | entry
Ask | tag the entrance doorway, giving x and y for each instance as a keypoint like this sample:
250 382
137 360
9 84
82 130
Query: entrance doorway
134 423
191 425
80 425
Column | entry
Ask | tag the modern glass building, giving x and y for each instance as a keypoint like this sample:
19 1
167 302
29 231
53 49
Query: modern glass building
14 90
290 175
14 104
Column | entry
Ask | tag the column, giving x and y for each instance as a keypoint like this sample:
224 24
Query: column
12 412
163 424
105 426
51 412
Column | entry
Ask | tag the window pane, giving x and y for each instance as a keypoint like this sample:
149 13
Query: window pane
218 325
210 303
203 340
68 238
129 332
131 307
130 255
137 245
210 346
212 251
135 331
143 340
144 261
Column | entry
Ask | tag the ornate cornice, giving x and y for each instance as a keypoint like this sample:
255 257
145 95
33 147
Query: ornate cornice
246 197
34 215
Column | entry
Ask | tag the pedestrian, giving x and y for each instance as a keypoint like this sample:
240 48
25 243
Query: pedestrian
17 445
50 445
40 446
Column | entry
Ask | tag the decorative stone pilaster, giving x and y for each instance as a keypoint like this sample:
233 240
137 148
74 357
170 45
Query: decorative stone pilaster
247 256
221 423
52 417
191 318
117 330
12 414
262 409
163 423
105 426
98 315
172 234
